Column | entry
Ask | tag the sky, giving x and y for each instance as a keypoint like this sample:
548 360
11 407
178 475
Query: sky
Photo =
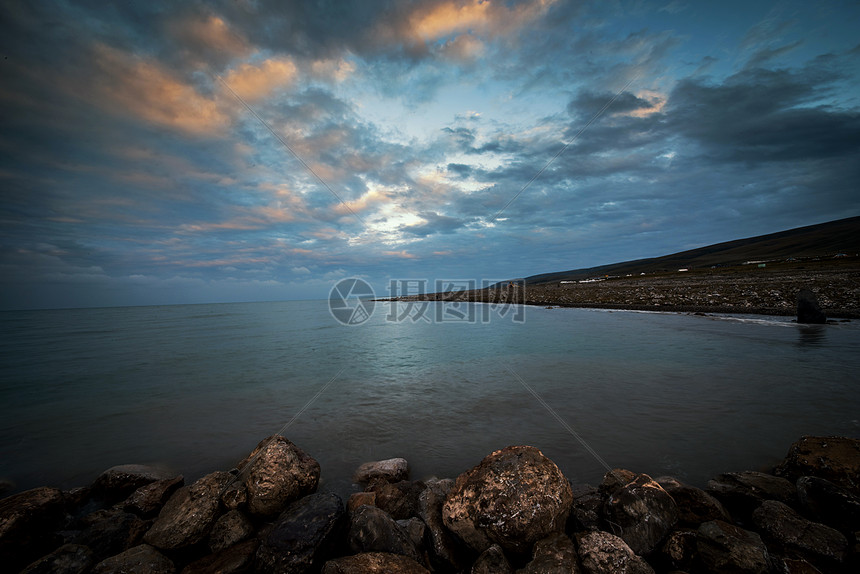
190 152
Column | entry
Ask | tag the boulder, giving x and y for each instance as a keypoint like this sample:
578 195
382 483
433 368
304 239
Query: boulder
357 499
513 498
303 537
373 530
615 479
390 470
143 559
148 500
644 512
119 482
601 552
808 310
742 492
235 496
787 530
445 551
794 566
26 519
834 458
276 473
417 531
554 554
231 528
724 547
233 560
679 550
829 503
67 559
492 561
695 506
374 563
190 514
109 532
399 499
586 508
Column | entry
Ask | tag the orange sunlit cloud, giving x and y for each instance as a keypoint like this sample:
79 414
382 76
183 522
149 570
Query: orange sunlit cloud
255 82
481 16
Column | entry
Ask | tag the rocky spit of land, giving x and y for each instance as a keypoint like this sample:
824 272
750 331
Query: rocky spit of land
768 290
513 512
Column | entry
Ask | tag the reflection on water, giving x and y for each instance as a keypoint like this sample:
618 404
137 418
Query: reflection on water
812 335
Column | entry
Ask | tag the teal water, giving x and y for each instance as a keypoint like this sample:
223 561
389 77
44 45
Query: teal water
196 387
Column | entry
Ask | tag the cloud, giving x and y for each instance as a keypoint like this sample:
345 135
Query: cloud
254 82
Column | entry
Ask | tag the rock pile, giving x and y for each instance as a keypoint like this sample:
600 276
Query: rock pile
513 512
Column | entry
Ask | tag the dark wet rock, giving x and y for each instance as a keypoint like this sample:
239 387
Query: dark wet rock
601 552
492 561
109 532
724 547
808 310
148 500
742 492
679 550
373 530
829 503
190 514
390 470
119 482
445 550
417 531
374 563
836 459
644 512
513 498
586 508
357 499
233 560
276 473
143 559
554 554
235 495
26 519
787 530
304 536
67 559
695 506
399 499
794 566
615 479
231 528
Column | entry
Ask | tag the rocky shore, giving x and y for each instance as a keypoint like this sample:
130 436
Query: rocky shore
513 512
769 290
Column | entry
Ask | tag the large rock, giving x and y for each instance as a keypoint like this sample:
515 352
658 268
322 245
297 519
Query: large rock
276 473
67 559
373 530
513 498
785 528
148 500
492 561
26 521
143 559
303 537
808 310
554 554
390 470
829 503
445 551
399 499
615 479
834 458
190 514
586 508
231 528
233 560
679 550
724 547
644 512
695 506
601 552
742 492
109 532
374 563
118 482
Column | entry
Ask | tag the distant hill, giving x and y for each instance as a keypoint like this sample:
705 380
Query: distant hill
824 239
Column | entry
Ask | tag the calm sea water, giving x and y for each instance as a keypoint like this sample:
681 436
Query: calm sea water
196 387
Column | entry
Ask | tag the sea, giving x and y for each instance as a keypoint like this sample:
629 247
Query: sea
195 388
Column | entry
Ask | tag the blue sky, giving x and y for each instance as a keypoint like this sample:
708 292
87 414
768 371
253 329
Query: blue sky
131 173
